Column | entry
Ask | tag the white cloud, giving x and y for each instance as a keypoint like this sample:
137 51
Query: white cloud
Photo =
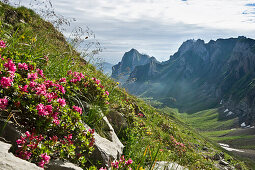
158 27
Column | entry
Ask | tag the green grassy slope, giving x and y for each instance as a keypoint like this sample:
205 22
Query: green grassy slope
223 131
150 135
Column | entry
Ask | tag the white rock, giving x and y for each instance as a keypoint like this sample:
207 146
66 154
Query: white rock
226 110
243 124
230 113
107 150
10 162
168 166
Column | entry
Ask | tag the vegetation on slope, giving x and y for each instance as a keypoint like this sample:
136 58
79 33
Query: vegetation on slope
51 92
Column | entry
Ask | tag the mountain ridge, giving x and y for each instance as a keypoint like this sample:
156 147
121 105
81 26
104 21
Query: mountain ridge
200 75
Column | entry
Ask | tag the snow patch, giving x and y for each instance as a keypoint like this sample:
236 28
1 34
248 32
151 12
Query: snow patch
226 110
226 146
230 113
243 124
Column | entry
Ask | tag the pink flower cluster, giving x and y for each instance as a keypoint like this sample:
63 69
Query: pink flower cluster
96 81
69 139
44 110
3 103
11 68
77 109
22 66
6 82
76 76
180 147
29 143
62 102
2 44
121 163
45 160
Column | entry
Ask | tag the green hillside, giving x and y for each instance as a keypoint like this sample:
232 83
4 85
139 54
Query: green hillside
49 91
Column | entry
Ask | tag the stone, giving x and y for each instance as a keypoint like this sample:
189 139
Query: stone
205 148
238 167
217 157
106 150
60 165
168 166
9 133
10 162
223 162
117 121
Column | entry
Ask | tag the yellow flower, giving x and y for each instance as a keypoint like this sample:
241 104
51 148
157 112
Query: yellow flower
141 168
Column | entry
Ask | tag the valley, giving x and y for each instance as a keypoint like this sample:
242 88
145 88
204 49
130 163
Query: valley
211 85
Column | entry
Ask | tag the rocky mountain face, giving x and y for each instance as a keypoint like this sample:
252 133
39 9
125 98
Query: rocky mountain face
200 76
129 61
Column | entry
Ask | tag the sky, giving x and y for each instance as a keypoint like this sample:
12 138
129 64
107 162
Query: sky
156 27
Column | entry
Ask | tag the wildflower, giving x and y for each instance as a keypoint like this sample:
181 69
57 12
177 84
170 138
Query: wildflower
22 66
24 88
92 131
115 164
128 162
32 76
103 168
27 134
62 80
62 102
40 72
77 109
3 103
107 93
10 66
44 110
6 82
32 84
2 44
45 160
54 138
122 159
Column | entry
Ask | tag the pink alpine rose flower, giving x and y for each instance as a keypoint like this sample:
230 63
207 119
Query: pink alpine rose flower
77 109
6 82
3 103
62 102
32 76
2 44
10 66
23 66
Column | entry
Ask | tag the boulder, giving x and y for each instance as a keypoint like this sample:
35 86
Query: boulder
10 162
117 121
168 166
9 133
106 150
60 165
223 162
217 157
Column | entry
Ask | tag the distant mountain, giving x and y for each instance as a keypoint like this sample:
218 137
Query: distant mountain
105 67
129 61
202 75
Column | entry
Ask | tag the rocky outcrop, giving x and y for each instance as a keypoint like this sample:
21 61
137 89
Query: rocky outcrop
199 75
130 60
10 162
168 166
60 165
107 150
